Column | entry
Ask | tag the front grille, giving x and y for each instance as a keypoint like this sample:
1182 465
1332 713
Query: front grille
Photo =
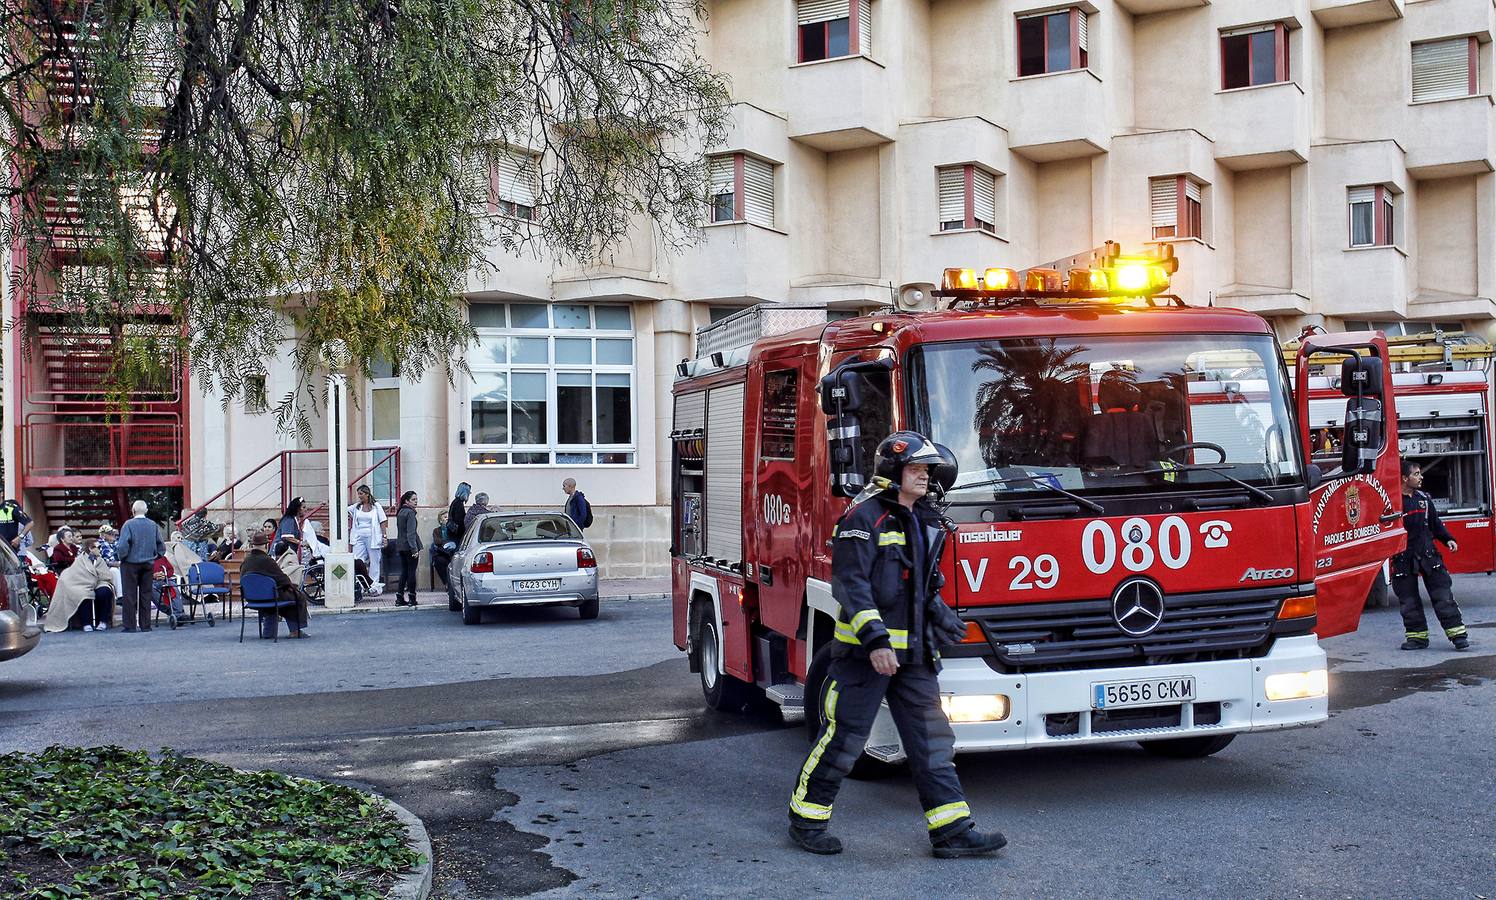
1047 637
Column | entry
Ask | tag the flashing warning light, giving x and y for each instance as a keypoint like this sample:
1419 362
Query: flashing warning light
1047 280
1000 280
1082 280
1139 276
960 280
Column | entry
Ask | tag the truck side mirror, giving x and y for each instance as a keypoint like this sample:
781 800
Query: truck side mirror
841 391
1365 426
843 394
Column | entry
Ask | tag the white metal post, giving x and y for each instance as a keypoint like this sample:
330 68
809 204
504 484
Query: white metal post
339 568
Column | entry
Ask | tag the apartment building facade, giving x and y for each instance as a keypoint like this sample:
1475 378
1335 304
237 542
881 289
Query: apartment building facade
1321 162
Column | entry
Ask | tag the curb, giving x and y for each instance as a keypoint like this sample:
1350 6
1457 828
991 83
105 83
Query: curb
416 885
439 602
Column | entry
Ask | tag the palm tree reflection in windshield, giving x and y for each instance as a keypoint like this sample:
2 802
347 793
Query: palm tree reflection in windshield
1029 412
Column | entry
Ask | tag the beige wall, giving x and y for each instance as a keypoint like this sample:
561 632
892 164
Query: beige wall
1264 211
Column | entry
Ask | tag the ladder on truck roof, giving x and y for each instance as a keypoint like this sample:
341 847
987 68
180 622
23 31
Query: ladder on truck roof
1428 350
725 343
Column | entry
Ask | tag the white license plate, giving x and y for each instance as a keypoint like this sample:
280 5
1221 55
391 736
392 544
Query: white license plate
538 584
1143 692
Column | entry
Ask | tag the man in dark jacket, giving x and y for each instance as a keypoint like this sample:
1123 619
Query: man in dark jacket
577 507
138 547
258 562
1422 522
884 565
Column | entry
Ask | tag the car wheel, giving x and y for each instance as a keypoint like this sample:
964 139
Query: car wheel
452 602
588 609
471 615
1189 748
866 768
722 691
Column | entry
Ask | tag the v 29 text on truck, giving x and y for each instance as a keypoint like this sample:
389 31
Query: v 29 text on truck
1143 550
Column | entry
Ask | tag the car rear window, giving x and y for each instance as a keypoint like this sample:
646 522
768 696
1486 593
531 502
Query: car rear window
527 528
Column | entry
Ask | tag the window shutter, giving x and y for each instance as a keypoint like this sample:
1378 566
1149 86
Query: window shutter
758 192
1164 201
811 11
953 194
1441 69
1250 29
516 176
1363 194
1192 190
865 23
722 177
984 196
1082 22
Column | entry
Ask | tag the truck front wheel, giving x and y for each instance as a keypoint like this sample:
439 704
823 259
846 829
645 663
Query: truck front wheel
722 691
1189 748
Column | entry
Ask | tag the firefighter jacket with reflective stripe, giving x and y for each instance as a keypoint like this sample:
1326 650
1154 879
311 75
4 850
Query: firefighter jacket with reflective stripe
885 574
1422 521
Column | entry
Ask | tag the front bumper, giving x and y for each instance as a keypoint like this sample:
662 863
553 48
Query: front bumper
498 590
1230 697
20 632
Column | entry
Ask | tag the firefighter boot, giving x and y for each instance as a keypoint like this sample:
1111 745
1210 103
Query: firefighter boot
1459 637
1415 641
969 843
815 840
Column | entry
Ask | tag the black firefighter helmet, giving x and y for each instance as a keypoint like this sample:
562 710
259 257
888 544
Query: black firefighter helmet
904 447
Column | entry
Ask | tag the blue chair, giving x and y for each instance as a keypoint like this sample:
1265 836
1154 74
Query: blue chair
258 592
206 581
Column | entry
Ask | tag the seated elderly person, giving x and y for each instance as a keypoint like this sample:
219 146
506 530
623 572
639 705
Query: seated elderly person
258 562
84 596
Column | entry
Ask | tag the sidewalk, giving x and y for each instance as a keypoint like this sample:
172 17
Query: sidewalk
613 590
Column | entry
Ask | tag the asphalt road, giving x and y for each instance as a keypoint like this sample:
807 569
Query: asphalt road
551 755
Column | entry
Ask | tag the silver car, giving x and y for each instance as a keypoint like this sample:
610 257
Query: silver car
20 628
522 559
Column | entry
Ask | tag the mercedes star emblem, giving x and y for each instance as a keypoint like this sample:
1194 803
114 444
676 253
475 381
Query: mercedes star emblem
1138 607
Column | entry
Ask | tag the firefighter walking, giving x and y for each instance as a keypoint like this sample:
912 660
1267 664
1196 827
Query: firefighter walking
1422 558
885 558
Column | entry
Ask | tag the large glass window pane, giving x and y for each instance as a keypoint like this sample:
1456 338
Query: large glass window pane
613 318
385 415
381 368
574 407
812 42
1264 57
528 315
489 408
615 352
1362 232
486 315
1057 44
723 207
573 351
1236 60
528 405
1031 46
530 350
491 350
837 41
614 410
571 316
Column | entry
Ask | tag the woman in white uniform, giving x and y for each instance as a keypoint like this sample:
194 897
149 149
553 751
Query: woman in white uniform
366 528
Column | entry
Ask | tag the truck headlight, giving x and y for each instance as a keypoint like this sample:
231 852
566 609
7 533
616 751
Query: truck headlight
1297 685
975 707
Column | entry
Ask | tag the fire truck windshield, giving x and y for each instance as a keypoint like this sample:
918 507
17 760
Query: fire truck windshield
1107 414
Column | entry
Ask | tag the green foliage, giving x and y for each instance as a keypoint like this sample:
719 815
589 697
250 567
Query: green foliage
126 824
260 171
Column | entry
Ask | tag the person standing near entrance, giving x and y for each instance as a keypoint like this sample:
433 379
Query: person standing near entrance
885 563
366 521
138 548
408 543
577 506
1423 525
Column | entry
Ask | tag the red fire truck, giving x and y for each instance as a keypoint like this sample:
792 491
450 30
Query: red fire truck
1143 549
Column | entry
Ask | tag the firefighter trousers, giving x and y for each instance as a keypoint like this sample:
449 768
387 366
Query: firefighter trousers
1405 572
849 701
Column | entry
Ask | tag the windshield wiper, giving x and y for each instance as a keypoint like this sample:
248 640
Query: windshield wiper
1252 489
1092 505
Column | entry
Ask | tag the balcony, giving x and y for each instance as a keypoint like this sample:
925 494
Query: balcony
735 261
1145 7
1343 13
512 275
145 451
1450 137
840 104
1263 126
1363 283
68 368
1062 115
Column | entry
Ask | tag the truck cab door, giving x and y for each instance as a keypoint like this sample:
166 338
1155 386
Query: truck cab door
1353 522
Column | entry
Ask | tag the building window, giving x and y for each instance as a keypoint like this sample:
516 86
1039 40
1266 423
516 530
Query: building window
1055 41
1253 56
511 184
1177 208
1373 218
742 189
826 28
1444 69
553 385
968 198
384 403
781 409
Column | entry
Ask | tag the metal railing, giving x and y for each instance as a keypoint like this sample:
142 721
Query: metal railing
292 473
145 445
